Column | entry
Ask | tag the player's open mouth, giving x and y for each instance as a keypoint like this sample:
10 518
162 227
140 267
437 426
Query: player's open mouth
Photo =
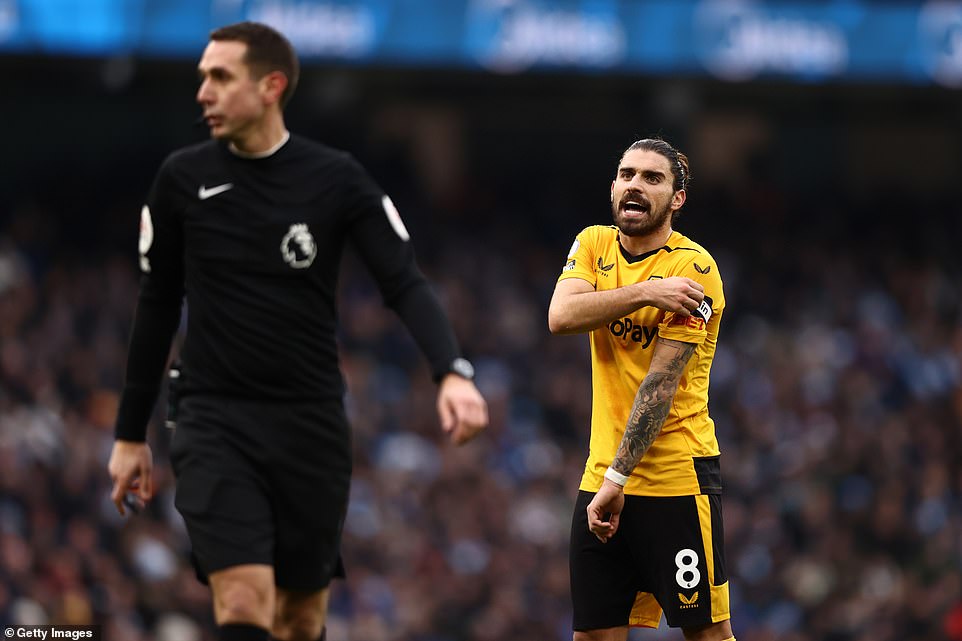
635 207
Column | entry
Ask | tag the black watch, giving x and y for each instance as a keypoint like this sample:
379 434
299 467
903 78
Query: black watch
462 367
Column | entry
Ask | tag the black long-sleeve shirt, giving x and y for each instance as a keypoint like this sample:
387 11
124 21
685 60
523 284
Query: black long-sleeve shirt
256 244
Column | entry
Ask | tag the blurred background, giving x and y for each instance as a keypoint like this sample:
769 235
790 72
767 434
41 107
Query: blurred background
825 140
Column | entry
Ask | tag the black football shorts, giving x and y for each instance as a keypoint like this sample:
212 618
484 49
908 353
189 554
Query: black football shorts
666 556
265 483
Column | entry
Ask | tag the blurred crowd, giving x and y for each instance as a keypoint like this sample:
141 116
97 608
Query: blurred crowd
836 391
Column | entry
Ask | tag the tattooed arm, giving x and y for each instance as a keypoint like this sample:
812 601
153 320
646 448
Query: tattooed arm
652 402
648 414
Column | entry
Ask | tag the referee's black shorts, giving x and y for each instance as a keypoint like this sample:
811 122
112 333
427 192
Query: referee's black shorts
667 555
265 483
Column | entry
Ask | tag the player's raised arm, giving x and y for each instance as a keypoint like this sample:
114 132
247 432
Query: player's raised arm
576 307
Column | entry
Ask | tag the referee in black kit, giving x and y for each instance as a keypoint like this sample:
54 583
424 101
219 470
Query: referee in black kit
251 226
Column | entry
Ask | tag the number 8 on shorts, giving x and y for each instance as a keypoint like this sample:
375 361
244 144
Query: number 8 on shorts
687 575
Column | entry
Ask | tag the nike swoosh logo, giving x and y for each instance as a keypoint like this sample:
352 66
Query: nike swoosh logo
204 193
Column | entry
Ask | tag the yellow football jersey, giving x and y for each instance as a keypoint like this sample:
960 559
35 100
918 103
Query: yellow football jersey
686 448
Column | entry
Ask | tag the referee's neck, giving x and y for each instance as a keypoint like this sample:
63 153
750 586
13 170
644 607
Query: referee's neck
261 139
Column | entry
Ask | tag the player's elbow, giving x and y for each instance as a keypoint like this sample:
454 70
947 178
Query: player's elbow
559 322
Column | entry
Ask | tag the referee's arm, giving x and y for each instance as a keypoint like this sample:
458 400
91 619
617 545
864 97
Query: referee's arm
385 248
156 319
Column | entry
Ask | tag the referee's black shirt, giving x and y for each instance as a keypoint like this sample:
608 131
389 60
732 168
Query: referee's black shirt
255 244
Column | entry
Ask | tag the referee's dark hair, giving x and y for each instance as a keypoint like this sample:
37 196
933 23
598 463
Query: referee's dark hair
267 50
677 160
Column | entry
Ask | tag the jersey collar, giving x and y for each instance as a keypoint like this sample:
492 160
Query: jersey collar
260 154
640 257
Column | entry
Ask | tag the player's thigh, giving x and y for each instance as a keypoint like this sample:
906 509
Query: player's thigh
683 565
604 583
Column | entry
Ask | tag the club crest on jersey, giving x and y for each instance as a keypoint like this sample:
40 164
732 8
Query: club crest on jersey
298 247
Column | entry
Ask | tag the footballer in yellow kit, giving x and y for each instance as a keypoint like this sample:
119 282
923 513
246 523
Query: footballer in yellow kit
621 353
647 530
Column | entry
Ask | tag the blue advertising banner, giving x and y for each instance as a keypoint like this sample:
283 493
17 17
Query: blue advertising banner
735 40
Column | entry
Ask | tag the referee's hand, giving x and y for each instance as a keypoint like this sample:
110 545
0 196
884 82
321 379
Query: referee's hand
462 409
131 470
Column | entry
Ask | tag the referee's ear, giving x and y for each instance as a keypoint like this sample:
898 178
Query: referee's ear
272 86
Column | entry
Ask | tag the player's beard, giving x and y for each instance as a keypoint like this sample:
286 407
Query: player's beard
652 221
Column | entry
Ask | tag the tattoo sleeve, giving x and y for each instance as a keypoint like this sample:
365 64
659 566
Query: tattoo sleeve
652 402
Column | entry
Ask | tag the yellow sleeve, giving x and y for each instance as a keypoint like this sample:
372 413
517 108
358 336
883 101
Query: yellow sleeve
694 328
580 261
